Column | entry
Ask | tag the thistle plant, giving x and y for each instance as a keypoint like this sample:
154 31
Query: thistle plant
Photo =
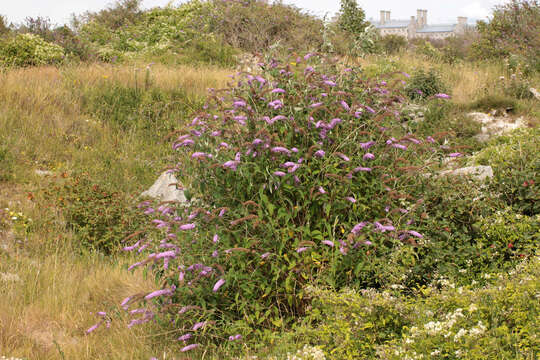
299 176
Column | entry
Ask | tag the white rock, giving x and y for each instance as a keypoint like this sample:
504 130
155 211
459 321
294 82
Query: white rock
478 172
44 173
7 277
495 126
535 93
164 189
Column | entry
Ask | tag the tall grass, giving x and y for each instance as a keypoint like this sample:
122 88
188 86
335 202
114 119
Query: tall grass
48 122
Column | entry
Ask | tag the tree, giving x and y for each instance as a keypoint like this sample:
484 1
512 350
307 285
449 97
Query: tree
4 28
513 29
351 17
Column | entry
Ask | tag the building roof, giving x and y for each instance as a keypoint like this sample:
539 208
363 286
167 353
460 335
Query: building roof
436 28
392 24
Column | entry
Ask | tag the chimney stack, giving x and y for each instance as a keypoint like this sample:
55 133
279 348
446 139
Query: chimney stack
425 17
419 17
387 17
383 17
461 26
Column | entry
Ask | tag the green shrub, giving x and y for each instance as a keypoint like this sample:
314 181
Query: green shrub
139 106
493 102
469 322
29 50
7 163
99 216
512 30
268 231
4 28
516 167
393 43
425 48
351 18
254 26
423 85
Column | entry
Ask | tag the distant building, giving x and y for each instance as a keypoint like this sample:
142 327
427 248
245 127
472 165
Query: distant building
418 27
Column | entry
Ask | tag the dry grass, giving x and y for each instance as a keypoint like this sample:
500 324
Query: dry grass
46 299
46 305
468 81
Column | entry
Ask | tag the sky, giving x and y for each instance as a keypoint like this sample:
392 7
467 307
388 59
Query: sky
438 11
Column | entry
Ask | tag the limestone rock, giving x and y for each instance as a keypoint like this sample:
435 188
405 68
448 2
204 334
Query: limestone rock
495 126
8 277
535 93
44 173
478 172
165 189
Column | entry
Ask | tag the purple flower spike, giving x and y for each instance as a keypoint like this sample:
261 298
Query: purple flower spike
265 255
185 337
92 328
370 109
301 249
454 155
231 164
280 149
368 156
351 199
319 153
344 157
345 105
328 242
187 227
442 96
199 325
414 233
367 145
399 146
278 91
218 284
239 103
276 118
358 227
330 83
279 173
321 190
365 169
189 347
316 105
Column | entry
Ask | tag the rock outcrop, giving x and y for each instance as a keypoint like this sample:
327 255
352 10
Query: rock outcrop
165 189
495 126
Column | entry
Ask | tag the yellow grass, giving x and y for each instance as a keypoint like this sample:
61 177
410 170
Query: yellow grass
48 290
46 305
468 81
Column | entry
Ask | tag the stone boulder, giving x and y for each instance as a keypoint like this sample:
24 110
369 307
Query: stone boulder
477 172
535 93
165 189
495 126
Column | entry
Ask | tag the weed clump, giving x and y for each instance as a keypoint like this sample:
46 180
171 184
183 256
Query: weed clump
423 85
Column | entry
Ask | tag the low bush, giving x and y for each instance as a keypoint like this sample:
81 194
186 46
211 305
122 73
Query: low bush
29 50
99 217
493 102
469 322
140 105
7 162
423 85
516 167
512 30
393 43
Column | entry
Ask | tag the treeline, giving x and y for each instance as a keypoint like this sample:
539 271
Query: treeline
214 31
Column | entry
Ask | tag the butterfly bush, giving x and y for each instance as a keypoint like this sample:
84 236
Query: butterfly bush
299 176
